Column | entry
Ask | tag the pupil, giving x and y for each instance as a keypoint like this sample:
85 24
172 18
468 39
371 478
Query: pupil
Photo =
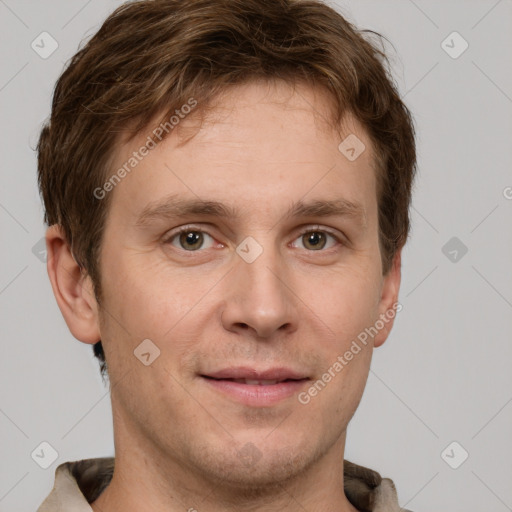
191 239
316 239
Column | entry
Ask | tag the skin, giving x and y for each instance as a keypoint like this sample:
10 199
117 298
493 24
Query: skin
177 440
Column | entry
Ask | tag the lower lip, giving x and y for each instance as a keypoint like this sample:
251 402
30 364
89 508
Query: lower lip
256 395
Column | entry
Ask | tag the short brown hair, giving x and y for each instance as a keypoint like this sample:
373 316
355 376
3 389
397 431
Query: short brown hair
150 56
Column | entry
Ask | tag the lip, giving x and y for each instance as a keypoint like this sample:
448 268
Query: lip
246 372
256 395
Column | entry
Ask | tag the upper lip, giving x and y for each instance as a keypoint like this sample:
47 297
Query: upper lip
245 372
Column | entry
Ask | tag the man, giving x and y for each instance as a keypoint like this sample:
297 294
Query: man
226 185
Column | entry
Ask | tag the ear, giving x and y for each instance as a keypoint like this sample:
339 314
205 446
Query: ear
388 304
72 288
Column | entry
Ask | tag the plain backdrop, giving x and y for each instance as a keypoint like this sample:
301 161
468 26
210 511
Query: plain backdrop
439 388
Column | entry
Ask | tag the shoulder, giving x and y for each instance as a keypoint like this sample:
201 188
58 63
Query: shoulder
78 483
368 491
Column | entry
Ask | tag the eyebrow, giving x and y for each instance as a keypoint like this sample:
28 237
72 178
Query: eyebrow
174 206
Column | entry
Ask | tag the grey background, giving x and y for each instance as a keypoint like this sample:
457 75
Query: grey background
443 375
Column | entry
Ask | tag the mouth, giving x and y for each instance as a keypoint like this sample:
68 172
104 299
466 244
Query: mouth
255 388
255 382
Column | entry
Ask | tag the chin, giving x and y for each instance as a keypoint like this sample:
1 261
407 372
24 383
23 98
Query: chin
256 469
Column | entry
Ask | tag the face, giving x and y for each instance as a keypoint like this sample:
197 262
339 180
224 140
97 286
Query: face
260 285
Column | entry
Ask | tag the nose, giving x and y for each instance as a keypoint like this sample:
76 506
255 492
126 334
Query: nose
259 299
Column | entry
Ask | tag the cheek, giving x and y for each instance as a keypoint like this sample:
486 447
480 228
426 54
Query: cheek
349 306
353 379
147 300
346 300
333 398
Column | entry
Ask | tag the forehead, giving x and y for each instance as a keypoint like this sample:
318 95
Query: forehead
260 107
257 142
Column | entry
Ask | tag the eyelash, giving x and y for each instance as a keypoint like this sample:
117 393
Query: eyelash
194 229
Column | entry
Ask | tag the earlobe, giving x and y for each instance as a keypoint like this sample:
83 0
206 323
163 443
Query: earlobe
389 305
72 288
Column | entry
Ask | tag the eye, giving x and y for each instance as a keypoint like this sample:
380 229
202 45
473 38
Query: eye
188 239
316 239
193 239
